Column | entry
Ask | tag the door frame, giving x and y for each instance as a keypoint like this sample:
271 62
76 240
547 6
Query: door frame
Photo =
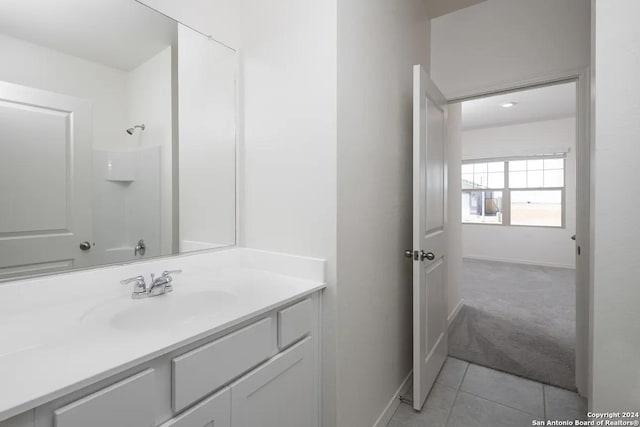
584 226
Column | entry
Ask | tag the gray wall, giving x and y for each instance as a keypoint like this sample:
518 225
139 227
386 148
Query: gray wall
378 43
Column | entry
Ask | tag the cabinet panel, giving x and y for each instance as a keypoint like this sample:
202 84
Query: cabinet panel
23 420
294 323
207 368
214 411
128 403
282 393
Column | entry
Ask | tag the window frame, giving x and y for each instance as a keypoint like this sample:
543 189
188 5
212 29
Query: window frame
506 190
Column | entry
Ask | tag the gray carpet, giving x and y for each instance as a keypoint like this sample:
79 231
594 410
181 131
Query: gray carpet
518 319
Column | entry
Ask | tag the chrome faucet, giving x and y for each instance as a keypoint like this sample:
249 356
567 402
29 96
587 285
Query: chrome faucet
162 284
159 286
139 286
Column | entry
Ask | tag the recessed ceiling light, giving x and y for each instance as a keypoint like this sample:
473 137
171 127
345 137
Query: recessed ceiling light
508 104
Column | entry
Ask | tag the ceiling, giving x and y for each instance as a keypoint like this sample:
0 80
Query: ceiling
534 105
118 33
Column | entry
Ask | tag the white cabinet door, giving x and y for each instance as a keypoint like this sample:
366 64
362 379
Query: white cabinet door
45 181
282 393
214 411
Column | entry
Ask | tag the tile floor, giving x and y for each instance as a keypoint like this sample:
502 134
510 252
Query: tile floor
468 395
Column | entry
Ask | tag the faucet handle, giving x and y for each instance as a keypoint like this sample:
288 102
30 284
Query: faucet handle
170 272
132 280
139 284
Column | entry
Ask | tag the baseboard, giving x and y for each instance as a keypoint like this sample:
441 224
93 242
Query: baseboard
455 312
393 404
518 261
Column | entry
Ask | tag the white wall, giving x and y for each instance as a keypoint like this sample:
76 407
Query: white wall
497 42
616 316
289 67
529 245
207 155
378 44
42 68
288 175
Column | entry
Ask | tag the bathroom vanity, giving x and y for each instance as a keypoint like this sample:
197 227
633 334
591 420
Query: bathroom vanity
121 149
235 344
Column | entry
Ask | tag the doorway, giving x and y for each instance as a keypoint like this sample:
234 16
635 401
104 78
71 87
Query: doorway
521 156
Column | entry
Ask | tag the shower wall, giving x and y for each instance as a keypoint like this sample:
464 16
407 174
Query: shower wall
148 88
126 203
130 208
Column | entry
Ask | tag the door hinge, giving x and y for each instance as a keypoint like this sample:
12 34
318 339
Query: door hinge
406 400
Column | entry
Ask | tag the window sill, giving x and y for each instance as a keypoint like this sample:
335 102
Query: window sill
559 227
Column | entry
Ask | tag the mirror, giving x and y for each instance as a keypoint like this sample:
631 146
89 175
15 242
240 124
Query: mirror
117 136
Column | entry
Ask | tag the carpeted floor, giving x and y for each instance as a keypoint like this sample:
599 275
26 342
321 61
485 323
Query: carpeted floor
519 319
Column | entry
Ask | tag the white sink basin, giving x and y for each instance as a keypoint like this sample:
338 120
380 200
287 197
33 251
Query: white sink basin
35 329
161 312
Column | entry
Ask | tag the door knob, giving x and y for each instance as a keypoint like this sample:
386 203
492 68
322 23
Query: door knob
408 253
85 246
140 248
573 237
427 255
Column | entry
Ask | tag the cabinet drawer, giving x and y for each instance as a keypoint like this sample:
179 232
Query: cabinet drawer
214 411
207 368
128 403
294 323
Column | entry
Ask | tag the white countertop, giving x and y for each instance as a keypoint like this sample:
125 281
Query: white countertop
63 332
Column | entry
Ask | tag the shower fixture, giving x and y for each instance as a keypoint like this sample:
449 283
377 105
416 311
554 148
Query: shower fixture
130 131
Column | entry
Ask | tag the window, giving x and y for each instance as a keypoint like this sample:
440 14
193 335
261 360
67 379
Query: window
523 191
482 206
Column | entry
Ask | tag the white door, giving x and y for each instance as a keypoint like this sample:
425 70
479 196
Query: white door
45 181
429 231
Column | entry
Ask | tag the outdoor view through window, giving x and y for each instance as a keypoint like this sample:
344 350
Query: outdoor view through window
523 191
